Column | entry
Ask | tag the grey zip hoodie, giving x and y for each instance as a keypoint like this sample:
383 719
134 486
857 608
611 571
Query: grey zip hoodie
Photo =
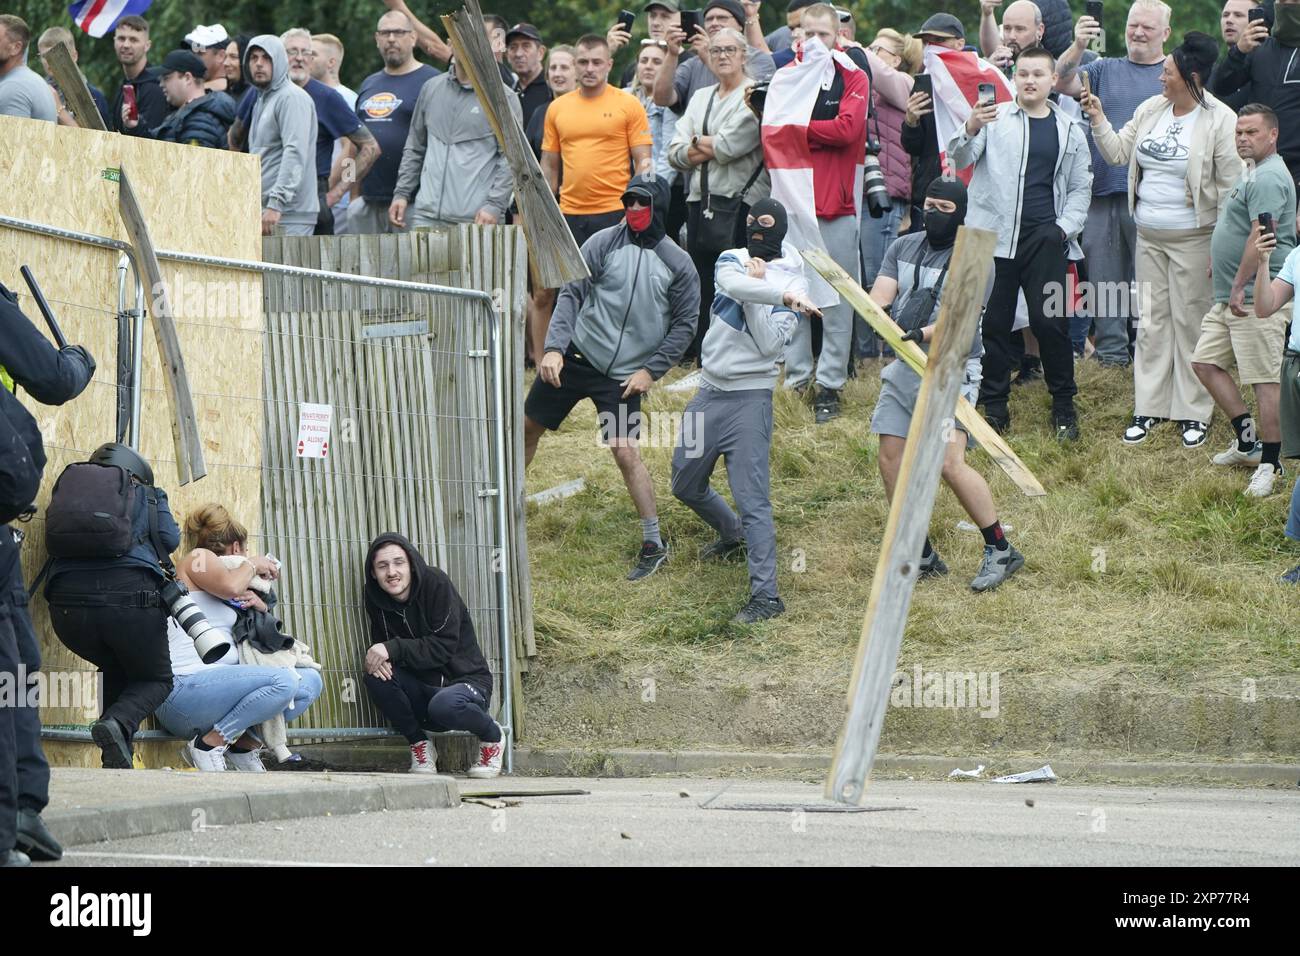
452 155
282 132
751 325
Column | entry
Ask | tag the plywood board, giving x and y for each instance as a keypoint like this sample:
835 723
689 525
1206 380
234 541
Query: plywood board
194 200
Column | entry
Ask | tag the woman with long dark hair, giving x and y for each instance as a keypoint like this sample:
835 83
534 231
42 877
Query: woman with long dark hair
1182 162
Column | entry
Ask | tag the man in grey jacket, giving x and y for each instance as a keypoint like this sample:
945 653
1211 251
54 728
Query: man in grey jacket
1031 185
452 157
282 132
760 291
612 336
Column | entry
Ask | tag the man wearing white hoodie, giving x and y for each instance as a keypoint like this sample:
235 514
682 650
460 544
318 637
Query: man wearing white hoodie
760 291
282 132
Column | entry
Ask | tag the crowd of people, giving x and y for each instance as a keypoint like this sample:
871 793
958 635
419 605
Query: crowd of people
1144 203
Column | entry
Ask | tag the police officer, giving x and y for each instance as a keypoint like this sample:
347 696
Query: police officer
50 376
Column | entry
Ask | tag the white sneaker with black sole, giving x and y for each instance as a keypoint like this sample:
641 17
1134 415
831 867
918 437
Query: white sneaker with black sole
1261 482
1235 456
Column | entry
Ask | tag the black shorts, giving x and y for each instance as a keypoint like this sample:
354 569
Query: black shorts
550 406
584 227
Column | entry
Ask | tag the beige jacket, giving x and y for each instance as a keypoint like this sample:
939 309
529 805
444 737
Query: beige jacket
1212 168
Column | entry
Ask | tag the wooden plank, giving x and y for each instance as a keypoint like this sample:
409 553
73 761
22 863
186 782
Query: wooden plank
909 517
556 254
185 428
71 83
913 355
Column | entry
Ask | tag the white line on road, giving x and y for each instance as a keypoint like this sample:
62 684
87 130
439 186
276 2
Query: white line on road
180 858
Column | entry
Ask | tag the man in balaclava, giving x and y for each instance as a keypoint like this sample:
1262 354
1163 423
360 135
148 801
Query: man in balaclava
1267 65
760 291
612 336
910 283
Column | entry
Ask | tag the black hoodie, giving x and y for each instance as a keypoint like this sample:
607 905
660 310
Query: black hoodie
429 634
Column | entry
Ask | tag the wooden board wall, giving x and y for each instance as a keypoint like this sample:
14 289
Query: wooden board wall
195 200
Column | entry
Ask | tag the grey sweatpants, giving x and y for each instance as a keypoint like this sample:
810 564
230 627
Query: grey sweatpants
369 218
840 237
1110 248
736 426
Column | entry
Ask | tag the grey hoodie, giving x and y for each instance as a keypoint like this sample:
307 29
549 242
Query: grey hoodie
282 132
751 324
452 155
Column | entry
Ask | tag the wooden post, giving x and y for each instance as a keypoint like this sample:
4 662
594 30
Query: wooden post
76 95
909 516
911 353
185 427
550 244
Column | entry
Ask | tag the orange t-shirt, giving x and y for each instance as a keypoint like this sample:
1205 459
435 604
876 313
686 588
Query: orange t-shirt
595 137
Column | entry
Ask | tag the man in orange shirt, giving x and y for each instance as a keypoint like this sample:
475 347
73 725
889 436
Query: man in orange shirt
599 133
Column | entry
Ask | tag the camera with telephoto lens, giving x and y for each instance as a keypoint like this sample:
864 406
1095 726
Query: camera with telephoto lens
210 643
873 182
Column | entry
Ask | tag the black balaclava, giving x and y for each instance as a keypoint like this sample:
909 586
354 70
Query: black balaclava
763 243
941 227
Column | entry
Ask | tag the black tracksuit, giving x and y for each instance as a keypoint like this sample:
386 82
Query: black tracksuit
441 681
52 377
150 102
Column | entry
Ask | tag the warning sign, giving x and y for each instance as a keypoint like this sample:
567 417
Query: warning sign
314 430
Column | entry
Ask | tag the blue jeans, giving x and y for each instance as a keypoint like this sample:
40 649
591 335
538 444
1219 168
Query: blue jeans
1293 519
875 237
232 698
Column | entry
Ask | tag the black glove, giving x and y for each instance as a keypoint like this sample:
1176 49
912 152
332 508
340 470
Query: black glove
916 335
85 355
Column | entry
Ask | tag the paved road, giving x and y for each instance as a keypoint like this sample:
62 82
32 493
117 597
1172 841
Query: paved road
649 822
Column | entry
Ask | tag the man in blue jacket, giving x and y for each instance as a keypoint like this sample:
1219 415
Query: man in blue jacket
199 117
612 336
50 376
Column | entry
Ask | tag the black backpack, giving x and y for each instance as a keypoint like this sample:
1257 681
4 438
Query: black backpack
91 512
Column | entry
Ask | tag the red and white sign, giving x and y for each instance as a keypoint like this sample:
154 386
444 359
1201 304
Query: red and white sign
314 430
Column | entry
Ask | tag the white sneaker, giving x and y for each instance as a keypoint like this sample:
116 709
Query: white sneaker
1261 482
424 759
212 761
246 761
1234 456
489 758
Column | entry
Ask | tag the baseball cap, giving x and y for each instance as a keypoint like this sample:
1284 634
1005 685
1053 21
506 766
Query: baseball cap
183 61
523 31
794 5
638 189
943 25
214 35
670 5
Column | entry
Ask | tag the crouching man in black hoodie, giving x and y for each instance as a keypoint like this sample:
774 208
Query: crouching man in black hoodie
424 670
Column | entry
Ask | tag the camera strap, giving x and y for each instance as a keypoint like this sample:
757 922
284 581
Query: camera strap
164 558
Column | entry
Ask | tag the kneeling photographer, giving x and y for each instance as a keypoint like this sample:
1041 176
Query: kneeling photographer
110 534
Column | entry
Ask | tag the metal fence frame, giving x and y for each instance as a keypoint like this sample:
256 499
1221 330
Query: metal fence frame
484 299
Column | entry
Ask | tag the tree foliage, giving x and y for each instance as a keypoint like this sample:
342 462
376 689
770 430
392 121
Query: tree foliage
560 21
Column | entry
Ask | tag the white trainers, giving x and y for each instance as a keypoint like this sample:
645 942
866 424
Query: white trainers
1234 456
424 759
245 761
1261 482
489 758
212 761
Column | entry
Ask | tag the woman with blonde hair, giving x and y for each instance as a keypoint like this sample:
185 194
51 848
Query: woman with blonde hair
214 705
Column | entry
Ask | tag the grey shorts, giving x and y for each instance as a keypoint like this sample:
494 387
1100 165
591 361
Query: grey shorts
899 389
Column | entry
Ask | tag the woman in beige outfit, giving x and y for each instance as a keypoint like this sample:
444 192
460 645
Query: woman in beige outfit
1182 162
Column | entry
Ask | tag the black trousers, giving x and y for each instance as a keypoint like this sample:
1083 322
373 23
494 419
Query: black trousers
414 707
325 217
24 771
128 644
1039 269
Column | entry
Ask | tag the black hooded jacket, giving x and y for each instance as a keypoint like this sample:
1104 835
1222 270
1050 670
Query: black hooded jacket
429 634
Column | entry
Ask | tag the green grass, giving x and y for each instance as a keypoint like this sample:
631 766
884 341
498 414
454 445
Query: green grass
1144 564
